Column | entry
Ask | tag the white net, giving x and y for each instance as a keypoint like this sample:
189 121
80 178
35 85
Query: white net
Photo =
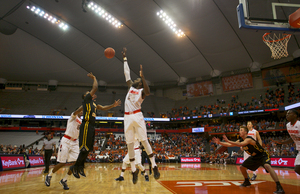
277 44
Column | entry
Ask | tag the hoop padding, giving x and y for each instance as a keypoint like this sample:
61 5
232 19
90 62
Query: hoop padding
277 44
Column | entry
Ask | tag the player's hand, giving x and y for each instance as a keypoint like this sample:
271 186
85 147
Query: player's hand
124 52
274 141
225 138
216 140
141 71
91 75
117 103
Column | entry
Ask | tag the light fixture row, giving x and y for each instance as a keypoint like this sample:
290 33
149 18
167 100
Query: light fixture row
51 18
104 14
163 16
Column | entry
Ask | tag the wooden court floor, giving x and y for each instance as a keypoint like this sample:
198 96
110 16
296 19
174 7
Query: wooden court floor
175 178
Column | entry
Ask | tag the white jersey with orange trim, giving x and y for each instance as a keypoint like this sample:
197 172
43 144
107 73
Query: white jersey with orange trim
133 100
72 126
69 148
294 131
252 134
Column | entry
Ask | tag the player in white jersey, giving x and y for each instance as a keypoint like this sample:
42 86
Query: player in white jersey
138 162
134 124
69 147
255 135
293 128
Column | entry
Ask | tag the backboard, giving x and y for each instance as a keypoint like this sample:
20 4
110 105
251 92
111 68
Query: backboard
267 15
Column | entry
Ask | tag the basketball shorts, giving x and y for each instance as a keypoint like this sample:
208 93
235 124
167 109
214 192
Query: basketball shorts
246 156
254 162
137 157
134 125
68 150
86 136
297 161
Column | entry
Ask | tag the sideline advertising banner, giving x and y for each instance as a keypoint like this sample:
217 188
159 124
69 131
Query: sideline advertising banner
9 162
190 159
275 161
36 160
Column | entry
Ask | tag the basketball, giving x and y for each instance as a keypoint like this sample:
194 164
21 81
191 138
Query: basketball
109 52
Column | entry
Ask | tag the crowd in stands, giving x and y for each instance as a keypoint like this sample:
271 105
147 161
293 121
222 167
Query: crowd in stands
272 98
9 149
294 94
259 125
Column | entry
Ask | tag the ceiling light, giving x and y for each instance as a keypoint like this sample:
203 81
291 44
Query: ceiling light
51 18
162 15
101 12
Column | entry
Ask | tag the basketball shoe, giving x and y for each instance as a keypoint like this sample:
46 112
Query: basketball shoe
64 184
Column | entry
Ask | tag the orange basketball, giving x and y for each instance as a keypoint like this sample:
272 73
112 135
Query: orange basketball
109 52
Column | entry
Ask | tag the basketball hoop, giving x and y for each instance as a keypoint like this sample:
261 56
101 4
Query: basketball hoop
277 44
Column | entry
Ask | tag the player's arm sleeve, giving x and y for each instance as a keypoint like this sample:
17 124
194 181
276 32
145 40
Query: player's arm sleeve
126 71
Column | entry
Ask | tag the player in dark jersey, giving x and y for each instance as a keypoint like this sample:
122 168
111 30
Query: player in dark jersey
258 157
87 127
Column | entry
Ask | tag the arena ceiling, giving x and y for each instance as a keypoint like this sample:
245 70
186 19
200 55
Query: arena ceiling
34 50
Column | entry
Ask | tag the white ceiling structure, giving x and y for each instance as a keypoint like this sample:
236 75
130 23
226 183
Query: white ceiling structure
35 50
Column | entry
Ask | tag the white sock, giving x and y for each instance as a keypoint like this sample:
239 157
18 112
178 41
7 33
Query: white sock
132 164
141 167
50 173
66 177
254 173
122 174
131 155
124 165
152 159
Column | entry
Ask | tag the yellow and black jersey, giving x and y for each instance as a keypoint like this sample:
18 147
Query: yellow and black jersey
89 109
253 150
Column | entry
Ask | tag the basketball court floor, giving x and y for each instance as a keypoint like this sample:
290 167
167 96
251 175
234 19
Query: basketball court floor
175 178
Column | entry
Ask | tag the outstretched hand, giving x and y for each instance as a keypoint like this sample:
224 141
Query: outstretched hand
91 75
225 138
124 52
141 71
274 141
216 140
117 103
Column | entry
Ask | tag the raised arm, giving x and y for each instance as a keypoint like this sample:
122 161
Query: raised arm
146 91
107 107
95 84
126 69
258 138
78 111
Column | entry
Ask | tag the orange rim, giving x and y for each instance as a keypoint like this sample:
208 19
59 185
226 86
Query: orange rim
266 34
